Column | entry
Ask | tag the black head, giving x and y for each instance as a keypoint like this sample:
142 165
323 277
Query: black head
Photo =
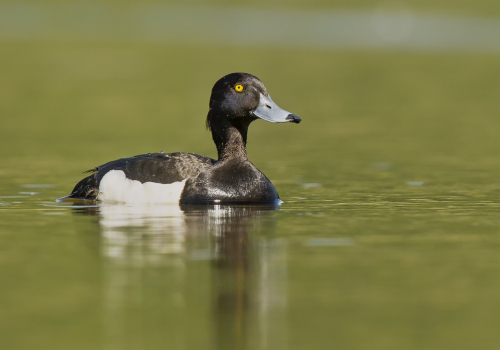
241 98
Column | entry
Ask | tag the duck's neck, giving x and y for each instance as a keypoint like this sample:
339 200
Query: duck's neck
230 138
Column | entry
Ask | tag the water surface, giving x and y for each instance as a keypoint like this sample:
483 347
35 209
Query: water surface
388 236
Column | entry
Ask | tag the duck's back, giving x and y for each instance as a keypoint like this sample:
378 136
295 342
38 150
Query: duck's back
145 172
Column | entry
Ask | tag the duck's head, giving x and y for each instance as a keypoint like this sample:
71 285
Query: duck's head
240 98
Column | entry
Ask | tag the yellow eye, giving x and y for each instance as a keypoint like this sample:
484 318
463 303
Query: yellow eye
239 88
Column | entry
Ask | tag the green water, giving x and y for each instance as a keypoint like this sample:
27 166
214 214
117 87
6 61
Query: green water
388 237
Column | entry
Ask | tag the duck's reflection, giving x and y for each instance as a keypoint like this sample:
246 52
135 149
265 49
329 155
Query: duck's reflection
197 275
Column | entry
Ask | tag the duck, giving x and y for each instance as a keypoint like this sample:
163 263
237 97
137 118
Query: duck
237 100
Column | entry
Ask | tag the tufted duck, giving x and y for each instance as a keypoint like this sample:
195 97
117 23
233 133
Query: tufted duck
237 100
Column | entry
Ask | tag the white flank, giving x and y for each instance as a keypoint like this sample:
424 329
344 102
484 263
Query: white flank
115 187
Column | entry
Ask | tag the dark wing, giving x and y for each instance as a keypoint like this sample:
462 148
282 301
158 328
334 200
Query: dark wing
164 168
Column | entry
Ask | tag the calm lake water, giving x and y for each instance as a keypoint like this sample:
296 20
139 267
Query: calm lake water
388 236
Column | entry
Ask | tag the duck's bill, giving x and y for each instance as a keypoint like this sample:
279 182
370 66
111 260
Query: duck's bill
268 110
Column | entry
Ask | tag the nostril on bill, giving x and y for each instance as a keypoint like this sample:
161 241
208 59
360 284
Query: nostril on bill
268 106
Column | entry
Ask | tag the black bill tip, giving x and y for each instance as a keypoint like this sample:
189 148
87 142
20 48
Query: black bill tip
293 118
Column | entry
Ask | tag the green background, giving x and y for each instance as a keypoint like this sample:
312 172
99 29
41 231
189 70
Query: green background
403 147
